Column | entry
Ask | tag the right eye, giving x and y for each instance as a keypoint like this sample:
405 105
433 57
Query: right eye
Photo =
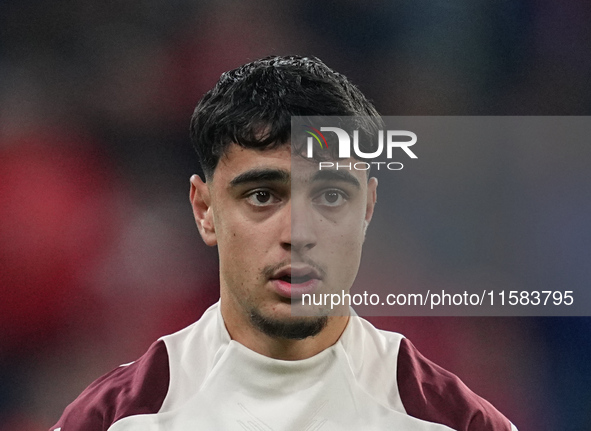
262 198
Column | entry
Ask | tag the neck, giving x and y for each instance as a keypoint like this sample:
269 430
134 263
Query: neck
242 330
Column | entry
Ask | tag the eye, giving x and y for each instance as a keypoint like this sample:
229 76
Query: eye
262 198
331 198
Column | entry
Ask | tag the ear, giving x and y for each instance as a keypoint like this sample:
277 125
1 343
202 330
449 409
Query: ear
202 210
372 197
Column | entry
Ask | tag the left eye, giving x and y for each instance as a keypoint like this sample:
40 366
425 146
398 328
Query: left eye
262 198
331 198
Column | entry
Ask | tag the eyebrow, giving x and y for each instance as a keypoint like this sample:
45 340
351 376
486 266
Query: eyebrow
260 175
334 175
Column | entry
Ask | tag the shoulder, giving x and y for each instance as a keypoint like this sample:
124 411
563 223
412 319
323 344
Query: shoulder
431 393
389 368
136 388
162 379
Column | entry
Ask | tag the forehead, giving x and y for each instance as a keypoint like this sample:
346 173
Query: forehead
237 161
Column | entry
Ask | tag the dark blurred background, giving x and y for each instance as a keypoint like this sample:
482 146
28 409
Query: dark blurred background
98 252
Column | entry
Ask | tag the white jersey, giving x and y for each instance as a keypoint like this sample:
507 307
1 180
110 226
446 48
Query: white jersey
201 379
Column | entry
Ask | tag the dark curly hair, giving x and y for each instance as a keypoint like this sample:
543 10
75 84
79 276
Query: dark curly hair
252 105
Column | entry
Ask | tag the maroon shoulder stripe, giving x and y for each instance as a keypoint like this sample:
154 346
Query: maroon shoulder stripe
430 393
139 388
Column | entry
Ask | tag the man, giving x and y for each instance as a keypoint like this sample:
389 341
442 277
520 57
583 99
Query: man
281 227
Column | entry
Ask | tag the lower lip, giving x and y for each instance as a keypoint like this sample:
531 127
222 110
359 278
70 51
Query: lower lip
288 290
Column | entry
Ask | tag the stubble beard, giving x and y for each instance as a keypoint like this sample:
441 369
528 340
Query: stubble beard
286 328
289 330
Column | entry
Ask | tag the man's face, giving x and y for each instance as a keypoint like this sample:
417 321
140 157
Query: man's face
283 228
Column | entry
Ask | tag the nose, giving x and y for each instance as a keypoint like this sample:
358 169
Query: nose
299 228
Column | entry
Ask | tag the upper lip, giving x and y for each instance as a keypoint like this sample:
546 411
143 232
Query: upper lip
298 271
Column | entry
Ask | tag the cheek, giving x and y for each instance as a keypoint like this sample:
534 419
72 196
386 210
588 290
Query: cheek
346 235
344 248
240 251
234 250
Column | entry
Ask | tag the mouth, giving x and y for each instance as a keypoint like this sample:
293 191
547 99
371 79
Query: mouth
297 274
294 281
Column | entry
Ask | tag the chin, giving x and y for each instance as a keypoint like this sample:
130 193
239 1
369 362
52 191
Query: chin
288 327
